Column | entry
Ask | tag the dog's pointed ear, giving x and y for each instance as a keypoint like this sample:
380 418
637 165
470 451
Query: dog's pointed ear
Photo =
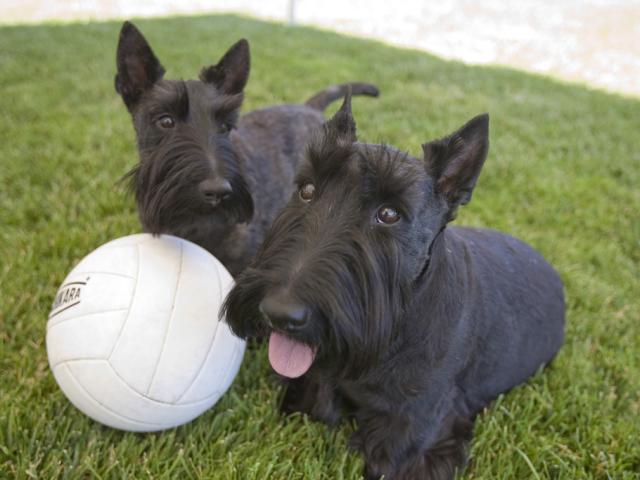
231 73
455 161
138 67
342 124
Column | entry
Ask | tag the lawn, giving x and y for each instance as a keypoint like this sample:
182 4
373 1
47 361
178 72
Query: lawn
563 173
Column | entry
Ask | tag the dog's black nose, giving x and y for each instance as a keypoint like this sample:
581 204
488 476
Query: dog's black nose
284 315
214 190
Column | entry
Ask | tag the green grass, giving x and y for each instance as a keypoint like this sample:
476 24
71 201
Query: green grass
563 174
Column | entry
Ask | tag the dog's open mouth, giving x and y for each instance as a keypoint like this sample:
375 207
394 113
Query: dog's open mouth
288 357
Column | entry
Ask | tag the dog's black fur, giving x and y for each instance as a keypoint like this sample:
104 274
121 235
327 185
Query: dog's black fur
204 173
416 326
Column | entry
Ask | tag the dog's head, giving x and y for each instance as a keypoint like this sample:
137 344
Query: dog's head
344 258
187 181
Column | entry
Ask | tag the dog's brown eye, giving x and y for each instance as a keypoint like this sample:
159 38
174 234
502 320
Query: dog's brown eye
225 127
387 215
166 121
307 191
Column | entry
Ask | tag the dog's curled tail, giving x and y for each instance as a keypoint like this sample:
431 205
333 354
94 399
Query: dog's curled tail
321 100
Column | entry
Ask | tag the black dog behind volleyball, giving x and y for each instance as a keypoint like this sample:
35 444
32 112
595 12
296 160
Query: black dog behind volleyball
205 174
374 307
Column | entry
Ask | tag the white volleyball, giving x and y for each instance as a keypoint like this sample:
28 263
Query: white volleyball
133 337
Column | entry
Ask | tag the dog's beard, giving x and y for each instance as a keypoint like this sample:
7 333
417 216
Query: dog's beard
355 292
165 186
238 208
358 296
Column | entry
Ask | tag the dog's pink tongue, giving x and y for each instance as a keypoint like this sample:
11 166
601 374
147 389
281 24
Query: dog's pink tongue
288 357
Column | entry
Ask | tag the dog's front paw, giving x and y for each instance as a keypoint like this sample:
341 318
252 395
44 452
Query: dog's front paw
296 397
318 400
443 461
429 467
378 454
378 470
356 442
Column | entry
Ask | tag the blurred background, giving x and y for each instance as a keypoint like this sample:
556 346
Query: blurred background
596 42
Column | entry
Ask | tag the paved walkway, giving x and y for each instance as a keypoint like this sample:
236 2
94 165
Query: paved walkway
588 41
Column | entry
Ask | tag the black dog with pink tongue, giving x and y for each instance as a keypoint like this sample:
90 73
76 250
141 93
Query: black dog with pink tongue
377 309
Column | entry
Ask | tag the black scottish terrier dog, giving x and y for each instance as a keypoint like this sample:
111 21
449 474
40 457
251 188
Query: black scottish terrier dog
375 308
204 173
